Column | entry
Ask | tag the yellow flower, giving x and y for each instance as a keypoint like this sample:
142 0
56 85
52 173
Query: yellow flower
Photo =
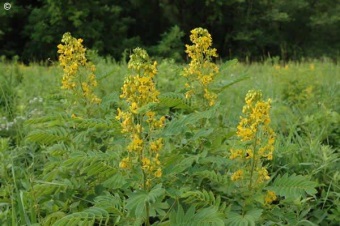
235 154
146 163
138 91
270 197
134 107
160 123
125 163
136 144
201 70
238 175
73 60
258 139
249 154
156 145
262 175
158 173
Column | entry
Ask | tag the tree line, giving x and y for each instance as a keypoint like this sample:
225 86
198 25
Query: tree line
246 29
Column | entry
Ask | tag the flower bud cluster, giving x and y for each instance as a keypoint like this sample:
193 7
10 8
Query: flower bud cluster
201 70
79 74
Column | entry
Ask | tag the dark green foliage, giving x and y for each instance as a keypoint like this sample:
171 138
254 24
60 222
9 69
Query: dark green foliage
171 45
293 186
249 30
204 217
63 169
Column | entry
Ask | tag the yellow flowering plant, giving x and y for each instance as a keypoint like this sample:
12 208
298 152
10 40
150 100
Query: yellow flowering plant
139 90
142 127
78 77
256 146
201 70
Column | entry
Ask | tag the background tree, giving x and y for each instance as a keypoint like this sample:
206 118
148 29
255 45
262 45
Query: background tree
246 29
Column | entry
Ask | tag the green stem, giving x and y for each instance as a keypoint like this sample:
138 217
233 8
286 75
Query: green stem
147 221
253 163
147 208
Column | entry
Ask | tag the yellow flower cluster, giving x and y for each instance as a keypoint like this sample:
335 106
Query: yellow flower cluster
73 60
270 197
201 70
238 175
139 90
257 137
255 126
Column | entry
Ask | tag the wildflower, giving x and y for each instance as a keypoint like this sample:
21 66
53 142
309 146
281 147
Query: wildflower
156 145
249 154
125 163
136 144
73 60
258 139
146 164
201 70
238 175
139 90
262 175
158 173
235 154
270 197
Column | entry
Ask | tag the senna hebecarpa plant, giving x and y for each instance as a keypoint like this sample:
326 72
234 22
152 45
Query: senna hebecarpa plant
78 78
201 70
142 128
255 198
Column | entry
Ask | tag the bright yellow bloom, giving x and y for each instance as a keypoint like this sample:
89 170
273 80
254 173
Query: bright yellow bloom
256 121
238 175
257 138
126 121
156 145
262 175
146 164
158 173
160 123
235 154
125 163
73 60
270 197
249 154
139 90
136 145
201 70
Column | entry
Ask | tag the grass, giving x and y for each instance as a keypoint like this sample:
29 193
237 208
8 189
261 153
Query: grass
45 180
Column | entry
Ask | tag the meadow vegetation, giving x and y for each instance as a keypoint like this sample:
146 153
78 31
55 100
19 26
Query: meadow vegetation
91 141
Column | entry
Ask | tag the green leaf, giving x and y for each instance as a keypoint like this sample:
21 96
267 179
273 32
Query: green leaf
86 217
137 201
49 136
174 100
293 186
250 218
224 84
203 217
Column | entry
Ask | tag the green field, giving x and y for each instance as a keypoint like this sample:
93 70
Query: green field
61 156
